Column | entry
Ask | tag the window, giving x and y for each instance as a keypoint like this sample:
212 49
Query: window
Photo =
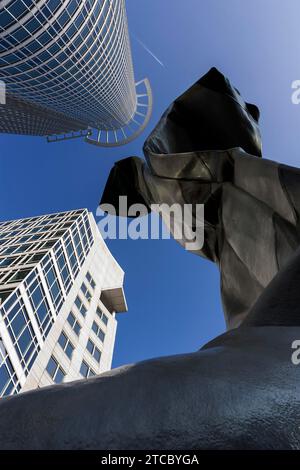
81 307
93 350
90 280
8 378
54 287
74 323
4 377
40 306
55 371
4 294
22 334
98 332
9 250
72 256
86 292
36 258
102 316
48 244
66 345
63 268
84 239
86 370
6 261
18 275
78 245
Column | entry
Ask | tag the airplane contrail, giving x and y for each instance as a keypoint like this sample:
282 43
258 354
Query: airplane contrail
148 50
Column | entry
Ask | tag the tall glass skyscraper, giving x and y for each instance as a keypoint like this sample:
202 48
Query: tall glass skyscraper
70 61
60 289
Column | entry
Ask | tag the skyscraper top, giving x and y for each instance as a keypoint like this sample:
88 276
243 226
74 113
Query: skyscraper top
71 58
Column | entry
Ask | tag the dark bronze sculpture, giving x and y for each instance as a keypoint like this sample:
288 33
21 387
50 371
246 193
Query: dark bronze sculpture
241 390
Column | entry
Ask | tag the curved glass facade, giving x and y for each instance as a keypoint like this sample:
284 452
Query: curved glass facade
71 57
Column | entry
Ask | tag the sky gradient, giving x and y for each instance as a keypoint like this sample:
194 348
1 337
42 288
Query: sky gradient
173 296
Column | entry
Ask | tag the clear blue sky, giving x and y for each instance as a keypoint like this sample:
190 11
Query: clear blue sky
173 296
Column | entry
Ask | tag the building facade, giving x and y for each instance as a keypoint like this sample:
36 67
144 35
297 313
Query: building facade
21 117
60 289
72 58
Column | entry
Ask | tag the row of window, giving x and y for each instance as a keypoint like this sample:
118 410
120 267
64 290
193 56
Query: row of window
57 373
54 369
26 248
33 234
13 276
12 261
68 347
15 242
40 221
41 307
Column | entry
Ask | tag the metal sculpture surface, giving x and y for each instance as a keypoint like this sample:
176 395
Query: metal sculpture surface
240 391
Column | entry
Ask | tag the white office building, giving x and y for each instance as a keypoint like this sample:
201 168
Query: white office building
60 289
